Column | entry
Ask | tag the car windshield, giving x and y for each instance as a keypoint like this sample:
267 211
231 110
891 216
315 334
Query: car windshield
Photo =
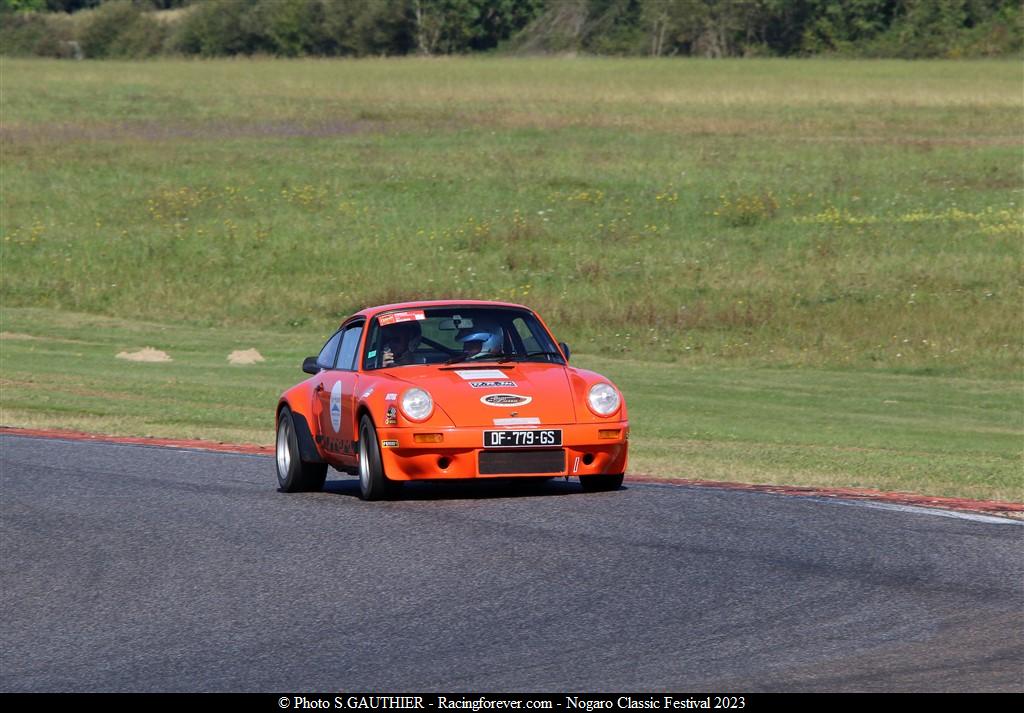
456 335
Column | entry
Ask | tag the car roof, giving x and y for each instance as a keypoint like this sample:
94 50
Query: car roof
426 304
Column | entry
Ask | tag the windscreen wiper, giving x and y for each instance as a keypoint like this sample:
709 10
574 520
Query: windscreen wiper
502 357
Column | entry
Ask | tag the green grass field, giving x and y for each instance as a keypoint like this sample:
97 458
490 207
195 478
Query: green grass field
798 271
953 437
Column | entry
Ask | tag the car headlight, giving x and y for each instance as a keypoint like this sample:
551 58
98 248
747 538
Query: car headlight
417 405
603 399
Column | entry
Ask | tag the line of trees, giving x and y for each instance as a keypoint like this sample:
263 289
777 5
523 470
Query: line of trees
706 28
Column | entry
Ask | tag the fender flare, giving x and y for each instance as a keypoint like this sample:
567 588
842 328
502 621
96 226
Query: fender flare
307 448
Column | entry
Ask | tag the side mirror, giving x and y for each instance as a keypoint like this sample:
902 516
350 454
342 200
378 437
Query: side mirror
310 366
565 349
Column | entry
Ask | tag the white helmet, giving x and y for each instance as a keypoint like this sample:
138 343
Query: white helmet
488 334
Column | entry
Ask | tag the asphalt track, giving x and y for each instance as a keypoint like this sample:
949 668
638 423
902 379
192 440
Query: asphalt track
133 568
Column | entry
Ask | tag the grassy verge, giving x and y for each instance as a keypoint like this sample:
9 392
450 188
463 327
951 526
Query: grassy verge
804 272
748 213
952 437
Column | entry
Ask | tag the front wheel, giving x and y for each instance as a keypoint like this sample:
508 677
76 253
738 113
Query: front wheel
595 483
373 484
293 474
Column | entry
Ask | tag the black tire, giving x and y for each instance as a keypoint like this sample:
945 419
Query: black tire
373 484
293 474
597 483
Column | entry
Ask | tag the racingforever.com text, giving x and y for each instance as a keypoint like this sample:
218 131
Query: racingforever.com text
492 702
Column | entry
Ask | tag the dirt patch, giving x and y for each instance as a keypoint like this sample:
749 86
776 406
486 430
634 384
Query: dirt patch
145 354
166 131
22 337
17 336
245 356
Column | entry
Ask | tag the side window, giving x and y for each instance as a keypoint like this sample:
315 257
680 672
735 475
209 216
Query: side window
529 341
349 345
326 358
372 359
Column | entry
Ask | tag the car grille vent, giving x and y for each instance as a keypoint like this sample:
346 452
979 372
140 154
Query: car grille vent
521 462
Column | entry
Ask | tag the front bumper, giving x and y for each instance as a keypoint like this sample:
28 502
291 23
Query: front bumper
458 454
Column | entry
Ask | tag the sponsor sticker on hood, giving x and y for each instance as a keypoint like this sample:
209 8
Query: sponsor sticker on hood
505 400
493 384
529 421
476 374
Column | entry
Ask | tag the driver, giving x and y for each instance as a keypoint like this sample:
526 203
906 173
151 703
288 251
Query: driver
400 341
483 339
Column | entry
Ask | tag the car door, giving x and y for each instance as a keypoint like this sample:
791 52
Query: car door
325 361
336 396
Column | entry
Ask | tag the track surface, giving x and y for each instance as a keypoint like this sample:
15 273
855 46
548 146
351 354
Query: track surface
139 568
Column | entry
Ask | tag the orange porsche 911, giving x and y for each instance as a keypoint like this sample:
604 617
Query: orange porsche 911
448 389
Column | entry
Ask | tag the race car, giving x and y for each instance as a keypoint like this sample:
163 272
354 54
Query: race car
448 390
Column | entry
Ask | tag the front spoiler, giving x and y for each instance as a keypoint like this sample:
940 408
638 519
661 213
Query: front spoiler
457 455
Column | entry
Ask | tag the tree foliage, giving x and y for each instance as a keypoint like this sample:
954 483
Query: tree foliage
706 28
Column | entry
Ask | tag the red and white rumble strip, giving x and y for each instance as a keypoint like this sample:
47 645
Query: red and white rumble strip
138 440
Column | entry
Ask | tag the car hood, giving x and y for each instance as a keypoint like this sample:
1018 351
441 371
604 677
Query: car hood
490 394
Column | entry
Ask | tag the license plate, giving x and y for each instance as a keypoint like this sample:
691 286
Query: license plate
538 438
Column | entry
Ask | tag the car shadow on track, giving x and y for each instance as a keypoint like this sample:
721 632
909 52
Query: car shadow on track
468 489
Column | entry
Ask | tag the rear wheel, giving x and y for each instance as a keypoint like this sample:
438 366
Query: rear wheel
373 484
594 483
293 474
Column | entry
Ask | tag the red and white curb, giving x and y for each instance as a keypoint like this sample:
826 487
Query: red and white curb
249 449
890 500
990 507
